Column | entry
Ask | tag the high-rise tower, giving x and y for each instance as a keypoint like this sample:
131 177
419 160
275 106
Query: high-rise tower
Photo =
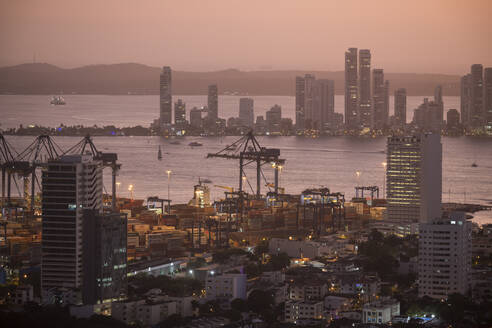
299 103
400 107
180 113
414 181
323 105
351 90
71 185
246 112
213 102
476 96
487 89
309 81
379 99
165 93
365 108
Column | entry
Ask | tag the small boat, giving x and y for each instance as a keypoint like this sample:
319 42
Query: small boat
195 144
159 153
474 164
57 100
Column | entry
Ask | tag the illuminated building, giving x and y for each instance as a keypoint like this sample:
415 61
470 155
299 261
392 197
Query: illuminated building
180 113
445 253
323 105
201 196
196 118
414 181
72 184
299 103
165 96
351 89
365 103
274 118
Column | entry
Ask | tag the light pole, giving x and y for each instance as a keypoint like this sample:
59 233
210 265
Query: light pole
384 178
358 173
130 189
168 184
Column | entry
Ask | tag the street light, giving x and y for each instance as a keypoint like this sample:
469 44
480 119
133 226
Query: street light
384 178
168 184
358 173
130 189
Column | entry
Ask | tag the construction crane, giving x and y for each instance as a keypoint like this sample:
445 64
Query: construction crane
7 158
248 150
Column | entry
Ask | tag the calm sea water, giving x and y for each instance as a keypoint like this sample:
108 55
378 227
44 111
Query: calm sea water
327 161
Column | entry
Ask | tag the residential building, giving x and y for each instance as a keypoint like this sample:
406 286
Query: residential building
149 312
380 312
380 99
196 118
445 252
309 81
476 96
165 96
323 105
413 181
351 90
452 119
299 103
487 89
71 185
22 294
180 113
246 112
303 310
273 119
213 103
366 114
225 286
400 107
428 116
465 100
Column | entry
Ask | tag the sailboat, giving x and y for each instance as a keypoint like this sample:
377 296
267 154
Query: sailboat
159 153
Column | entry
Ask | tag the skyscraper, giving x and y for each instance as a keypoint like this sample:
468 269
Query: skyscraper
440 103
379 100
165 93
213 103
487 89
400 107
309 81
476 93
323 105
444 261
351 89
465 100
452 119
299 103
414 181
365 107
428 116
180 113
72 184
246 112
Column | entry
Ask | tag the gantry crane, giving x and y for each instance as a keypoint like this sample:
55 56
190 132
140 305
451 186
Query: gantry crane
248 150
86 145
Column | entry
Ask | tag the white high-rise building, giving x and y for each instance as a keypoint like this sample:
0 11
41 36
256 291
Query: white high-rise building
414 181
71 184
445 247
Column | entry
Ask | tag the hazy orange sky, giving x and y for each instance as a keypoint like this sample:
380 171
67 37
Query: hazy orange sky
434 36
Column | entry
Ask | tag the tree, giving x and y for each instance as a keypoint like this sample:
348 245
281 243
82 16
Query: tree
260 300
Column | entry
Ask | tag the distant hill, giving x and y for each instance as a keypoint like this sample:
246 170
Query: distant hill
130 78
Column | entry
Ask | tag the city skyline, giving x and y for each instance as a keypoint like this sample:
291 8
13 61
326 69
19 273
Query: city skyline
138 35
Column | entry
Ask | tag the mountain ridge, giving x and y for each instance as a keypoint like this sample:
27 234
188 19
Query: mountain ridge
135 78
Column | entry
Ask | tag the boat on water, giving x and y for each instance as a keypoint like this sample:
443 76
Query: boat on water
195 144
57 100
474 164
159 153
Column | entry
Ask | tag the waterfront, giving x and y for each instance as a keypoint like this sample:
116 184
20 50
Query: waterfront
131 110
326 161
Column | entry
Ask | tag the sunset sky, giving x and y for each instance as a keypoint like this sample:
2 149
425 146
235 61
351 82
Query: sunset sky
432 36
